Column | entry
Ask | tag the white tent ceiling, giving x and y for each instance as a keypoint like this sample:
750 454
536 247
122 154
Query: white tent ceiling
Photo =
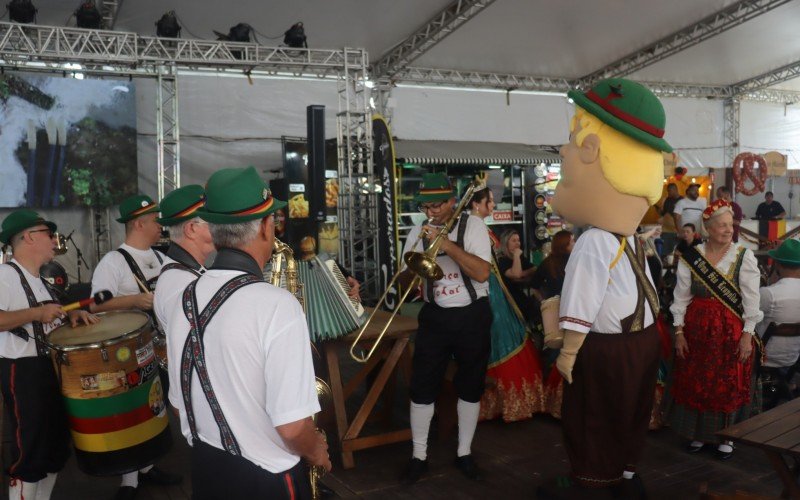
552 38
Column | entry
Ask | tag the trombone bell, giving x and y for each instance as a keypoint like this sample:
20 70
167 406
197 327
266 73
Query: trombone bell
61 245
423 265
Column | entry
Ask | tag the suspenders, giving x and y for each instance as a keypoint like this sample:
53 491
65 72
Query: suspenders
462 229
38 328
179 267
193 356
135 267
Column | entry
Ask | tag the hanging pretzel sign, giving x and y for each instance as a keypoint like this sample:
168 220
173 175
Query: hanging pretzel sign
743 168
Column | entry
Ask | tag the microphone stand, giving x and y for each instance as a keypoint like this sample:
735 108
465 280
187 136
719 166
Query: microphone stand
79 255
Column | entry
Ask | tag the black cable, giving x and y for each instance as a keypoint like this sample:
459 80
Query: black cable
183 26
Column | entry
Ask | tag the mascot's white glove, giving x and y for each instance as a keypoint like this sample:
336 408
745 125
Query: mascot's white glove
569 352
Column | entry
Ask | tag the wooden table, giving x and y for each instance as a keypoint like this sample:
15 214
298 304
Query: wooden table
390 352
777 432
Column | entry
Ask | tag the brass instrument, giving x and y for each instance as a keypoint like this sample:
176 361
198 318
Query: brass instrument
422 264
284 275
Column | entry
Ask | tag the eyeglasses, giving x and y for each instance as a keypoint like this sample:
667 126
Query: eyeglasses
50 232
431 206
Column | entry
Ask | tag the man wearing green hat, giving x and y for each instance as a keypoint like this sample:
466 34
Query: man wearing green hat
130 273
611 173
454 322
247 390
189 247
780 303
28 312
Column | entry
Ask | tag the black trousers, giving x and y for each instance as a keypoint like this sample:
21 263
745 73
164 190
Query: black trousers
462 333
218 475
36 418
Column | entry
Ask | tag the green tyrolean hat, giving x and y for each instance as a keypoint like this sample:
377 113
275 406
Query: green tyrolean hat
787 253
235 195
20 220
182 204
435 187
136 206
629 107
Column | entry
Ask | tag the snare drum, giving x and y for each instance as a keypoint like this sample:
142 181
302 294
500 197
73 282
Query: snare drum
113 393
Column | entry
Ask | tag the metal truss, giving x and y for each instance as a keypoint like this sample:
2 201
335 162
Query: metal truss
168 146
358 190
702 30
768 79
477 79
110 10
129 53
99 222
731 113
434 31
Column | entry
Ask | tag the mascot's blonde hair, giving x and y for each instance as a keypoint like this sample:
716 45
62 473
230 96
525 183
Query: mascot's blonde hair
629 166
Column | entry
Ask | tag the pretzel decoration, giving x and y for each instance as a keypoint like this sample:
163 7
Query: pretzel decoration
746 170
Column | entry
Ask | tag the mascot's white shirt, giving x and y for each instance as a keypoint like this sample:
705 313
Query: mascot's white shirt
596 296
450 290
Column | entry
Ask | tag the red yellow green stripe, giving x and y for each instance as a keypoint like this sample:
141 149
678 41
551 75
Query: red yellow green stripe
436 191
263 207
111 423
143 209
113 405
189 210
126 438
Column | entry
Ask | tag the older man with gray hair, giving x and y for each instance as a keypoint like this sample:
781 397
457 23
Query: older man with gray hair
251 427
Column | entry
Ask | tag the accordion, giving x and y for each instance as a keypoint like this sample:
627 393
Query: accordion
330 313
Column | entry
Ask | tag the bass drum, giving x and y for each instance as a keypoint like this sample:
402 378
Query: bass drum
113 393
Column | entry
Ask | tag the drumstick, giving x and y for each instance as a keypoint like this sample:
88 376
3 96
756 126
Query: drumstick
141 285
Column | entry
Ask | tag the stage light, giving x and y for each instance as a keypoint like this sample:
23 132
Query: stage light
88 16
295 37
239 33
167 26
21 11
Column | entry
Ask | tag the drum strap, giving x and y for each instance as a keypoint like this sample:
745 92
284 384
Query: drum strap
136 270
38 328
193 356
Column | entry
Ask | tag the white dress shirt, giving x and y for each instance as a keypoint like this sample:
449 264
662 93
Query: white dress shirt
780 304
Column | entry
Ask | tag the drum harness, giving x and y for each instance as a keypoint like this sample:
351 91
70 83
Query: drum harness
38 328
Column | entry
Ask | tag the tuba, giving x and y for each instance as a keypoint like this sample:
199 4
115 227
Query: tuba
284 275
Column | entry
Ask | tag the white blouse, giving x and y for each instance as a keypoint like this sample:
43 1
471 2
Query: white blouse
749 282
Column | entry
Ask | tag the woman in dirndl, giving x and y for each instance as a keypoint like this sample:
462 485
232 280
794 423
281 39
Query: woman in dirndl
715 310
515 391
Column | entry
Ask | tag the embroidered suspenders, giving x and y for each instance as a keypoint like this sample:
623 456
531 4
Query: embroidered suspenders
644 288
181 267
193 356
38 328
136 270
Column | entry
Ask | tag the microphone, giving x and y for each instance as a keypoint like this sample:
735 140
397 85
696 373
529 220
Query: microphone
98 298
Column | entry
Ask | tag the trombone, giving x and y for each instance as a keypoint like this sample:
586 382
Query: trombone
422 264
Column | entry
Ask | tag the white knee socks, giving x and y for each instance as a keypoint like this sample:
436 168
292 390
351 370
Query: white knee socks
130 479
421 416
467 422
18 489
45 487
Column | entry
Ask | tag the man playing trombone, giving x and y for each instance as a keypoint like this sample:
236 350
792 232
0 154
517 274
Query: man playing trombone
454 322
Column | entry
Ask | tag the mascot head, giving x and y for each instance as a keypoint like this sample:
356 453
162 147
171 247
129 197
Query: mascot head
612 167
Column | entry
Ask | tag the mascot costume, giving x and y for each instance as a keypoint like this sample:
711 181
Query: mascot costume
611 172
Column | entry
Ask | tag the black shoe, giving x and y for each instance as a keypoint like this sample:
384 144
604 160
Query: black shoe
126 493
691 448
414 470
723 455
158 476
468 467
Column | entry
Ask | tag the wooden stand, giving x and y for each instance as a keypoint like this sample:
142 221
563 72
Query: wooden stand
391 352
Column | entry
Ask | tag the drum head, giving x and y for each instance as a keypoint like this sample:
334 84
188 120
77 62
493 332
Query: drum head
113 325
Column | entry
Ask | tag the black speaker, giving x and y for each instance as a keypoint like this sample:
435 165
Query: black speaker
315 119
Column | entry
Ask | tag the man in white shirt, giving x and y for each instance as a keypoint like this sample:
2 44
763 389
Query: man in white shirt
28 312
247 388
190 245
454 322
130 273
611 173
689 210
780 303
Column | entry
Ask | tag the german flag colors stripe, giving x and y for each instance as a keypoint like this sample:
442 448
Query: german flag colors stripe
112 423
112 441
110 406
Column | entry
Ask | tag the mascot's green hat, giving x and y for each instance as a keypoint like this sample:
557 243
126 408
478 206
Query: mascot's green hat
435 187
182 204
20 220
236 195
136 206
787 253
629 107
